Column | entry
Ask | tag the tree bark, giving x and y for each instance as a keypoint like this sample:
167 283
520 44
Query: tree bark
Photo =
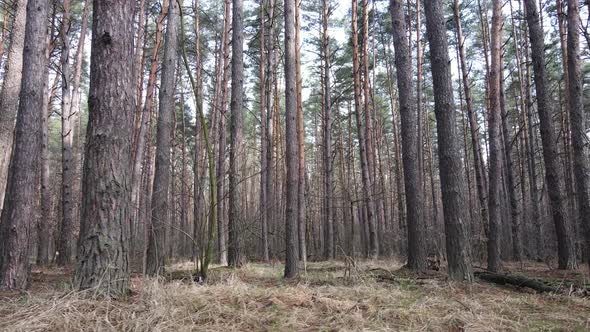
10 92
565 247
495 114
451 168
327 144
410 140
291 159
576 109
102 254
67 137
22 194
301 204
156 255
236 147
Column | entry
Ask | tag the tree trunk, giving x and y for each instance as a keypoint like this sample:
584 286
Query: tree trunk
451 168
565 247
473 125
237 119
410 141
495 115
68 164
301 210
156 256
327 144
102 254
147 109
10 92
576 109
291 158
20 206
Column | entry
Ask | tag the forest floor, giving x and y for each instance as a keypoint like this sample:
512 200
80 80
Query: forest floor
330 296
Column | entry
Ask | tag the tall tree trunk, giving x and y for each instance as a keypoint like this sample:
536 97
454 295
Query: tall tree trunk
366 179
495 114
221 141
9 96
576 109
301 210
565 247
370 147
237 118
451 168
410 141
263 136
147 109
473 125
102 254
156 255
64 244
291 159
327 144
20 202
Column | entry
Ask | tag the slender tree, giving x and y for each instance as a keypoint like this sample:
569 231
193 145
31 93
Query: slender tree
327 143
409 131
565 248
160 216
236 148
291 266
451 167
494 133
576 109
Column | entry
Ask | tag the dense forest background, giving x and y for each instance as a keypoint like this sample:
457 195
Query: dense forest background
445 133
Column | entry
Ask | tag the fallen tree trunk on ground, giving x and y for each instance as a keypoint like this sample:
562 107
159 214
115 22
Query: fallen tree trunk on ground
516 280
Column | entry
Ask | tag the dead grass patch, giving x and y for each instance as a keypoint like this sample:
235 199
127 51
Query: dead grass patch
255 298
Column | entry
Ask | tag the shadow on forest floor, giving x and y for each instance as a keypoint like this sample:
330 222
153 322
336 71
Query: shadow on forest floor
372 295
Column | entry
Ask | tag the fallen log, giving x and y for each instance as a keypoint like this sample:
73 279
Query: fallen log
516 280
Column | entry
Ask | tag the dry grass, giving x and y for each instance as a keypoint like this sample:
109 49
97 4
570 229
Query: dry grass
255 298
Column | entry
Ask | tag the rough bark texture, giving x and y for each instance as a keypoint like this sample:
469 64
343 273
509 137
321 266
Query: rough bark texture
301 211
409 118
64 244
45 218
237 118
366 179
156 255
576 109
451 167
10 91
370 147
565 247
495 117
329 252
291 266
473 125
263 136
142 132
221 140
102 254
20 206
